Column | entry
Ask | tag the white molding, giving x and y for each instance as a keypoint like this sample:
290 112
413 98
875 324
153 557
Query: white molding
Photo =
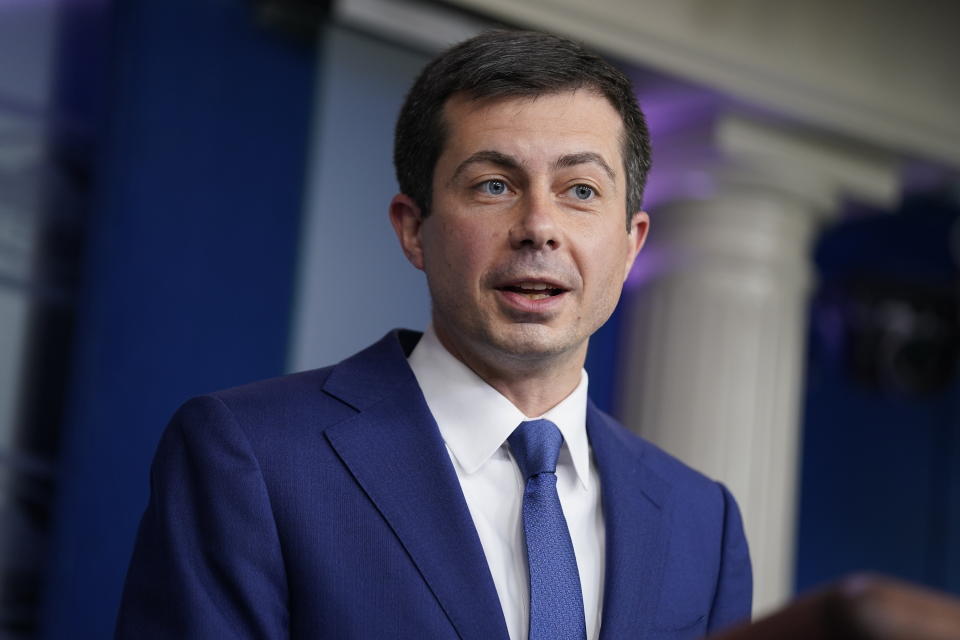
422 26
880 72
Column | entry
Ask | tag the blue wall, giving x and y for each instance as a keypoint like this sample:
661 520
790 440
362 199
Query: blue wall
188 275
880 486
354 284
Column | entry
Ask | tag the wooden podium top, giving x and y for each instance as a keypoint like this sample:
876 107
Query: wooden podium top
860 607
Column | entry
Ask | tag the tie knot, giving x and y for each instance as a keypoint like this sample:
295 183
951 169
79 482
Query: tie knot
536 445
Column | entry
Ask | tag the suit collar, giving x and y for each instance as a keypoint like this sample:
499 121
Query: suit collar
635 499
395 437
473 436
377 372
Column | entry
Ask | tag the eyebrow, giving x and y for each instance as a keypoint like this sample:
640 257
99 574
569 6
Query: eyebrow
585 157
509 162
487 155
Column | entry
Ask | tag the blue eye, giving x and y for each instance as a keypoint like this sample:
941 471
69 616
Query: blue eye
493 187
582 192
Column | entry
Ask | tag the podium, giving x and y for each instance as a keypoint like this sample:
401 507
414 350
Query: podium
859 607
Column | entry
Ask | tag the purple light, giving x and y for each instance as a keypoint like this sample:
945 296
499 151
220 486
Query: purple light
651 262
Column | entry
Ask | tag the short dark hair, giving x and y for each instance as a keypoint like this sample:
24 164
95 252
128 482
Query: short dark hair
498 64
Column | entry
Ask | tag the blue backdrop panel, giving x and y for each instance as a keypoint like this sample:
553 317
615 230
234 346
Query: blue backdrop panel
189 266
881 442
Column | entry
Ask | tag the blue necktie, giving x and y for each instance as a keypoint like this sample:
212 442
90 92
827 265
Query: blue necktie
556 602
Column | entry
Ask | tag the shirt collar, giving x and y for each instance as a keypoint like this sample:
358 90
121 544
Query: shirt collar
475 419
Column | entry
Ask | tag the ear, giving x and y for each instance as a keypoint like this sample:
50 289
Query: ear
407 220
636 236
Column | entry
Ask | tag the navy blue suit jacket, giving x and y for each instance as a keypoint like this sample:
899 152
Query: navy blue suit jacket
324 505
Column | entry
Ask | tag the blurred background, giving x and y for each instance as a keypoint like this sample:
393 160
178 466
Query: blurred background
193 195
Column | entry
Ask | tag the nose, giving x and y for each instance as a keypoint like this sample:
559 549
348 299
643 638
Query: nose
535 226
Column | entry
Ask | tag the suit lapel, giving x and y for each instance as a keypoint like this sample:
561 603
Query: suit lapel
394 451
634 505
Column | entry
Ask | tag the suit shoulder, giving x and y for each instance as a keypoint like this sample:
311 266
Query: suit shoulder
680 476
706 560
265 408
285 388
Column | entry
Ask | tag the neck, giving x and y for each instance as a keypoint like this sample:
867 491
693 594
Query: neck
533 384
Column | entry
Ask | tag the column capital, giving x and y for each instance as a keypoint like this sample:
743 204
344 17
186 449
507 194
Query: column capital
734 152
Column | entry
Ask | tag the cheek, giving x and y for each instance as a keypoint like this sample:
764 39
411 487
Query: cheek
454 251
466 242
609 270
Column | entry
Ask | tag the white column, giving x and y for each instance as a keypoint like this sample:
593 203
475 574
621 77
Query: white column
718 321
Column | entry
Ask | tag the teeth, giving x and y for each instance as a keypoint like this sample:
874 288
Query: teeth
535 286
536 296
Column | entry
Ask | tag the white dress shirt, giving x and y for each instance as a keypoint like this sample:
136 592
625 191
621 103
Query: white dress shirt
475 421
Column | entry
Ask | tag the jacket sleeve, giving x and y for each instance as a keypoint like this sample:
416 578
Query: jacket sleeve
733 598
207 560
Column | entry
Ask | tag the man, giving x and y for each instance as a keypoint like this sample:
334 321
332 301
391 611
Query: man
458 484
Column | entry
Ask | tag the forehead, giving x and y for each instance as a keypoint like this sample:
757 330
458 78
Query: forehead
534 126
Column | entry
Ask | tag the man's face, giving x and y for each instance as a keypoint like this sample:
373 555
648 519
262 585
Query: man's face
525 249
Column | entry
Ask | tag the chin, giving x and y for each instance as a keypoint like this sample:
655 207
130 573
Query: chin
531 342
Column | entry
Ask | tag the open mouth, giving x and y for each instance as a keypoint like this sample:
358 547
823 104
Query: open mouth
534 290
